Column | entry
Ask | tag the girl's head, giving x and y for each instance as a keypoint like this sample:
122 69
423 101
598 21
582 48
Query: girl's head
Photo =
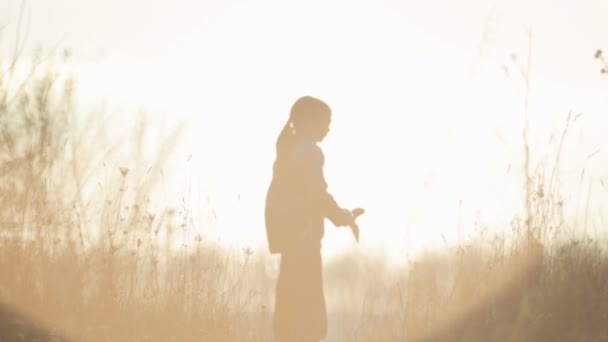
309 117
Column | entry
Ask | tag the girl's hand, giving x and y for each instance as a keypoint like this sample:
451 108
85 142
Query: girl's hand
345 218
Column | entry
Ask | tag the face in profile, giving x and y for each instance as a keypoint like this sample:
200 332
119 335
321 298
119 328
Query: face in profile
315 129
322 128
311 118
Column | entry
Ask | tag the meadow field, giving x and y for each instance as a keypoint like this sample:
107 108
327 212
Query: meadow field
90 252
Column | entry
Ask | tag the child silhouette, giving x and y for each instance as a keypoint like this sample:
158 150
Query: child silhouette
297 204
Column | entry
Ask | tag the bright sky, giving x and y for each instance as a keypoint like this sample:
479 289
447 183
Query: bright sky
425 121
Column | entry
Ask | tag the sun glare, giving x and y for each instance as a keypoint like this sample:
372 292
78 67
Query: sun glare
421 132
134 194
395 154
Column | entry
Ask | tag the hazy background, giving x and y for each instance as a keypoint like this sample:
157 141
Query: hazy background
427 101
115 189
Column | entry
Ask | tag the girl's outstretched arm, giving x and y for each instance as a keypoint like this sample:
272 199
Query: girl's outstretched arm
311 162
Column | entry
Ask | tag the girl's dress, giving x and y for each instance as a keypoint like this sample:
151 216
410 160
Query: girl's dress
296 207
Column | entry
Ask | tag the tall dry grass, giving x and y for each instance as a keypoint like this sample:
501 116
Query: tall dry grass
538 283
85 256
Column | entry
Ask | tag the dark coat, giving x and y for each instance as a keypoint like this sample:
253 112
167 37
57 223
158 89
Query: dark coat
297 202
296 207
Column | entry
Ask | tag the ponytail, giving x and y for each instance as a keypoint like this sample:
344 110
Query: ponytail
285 139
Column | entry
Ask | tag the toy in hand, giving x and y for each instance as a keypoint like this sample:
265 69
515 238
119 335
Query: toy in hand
354 227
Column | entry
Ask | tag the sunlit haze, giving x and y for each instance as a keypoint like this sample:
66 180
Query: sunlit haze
163 170
427 100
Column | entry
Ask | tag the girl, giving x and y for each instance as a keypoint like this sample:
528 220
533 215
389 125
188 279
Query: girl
297 204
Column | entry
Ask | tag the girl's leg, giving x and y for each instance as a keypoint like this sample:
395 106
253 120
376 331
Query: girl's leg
300 313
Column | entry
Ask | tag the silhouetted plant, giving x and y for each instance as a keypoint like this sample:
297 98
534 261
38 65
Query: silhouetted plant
600 55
